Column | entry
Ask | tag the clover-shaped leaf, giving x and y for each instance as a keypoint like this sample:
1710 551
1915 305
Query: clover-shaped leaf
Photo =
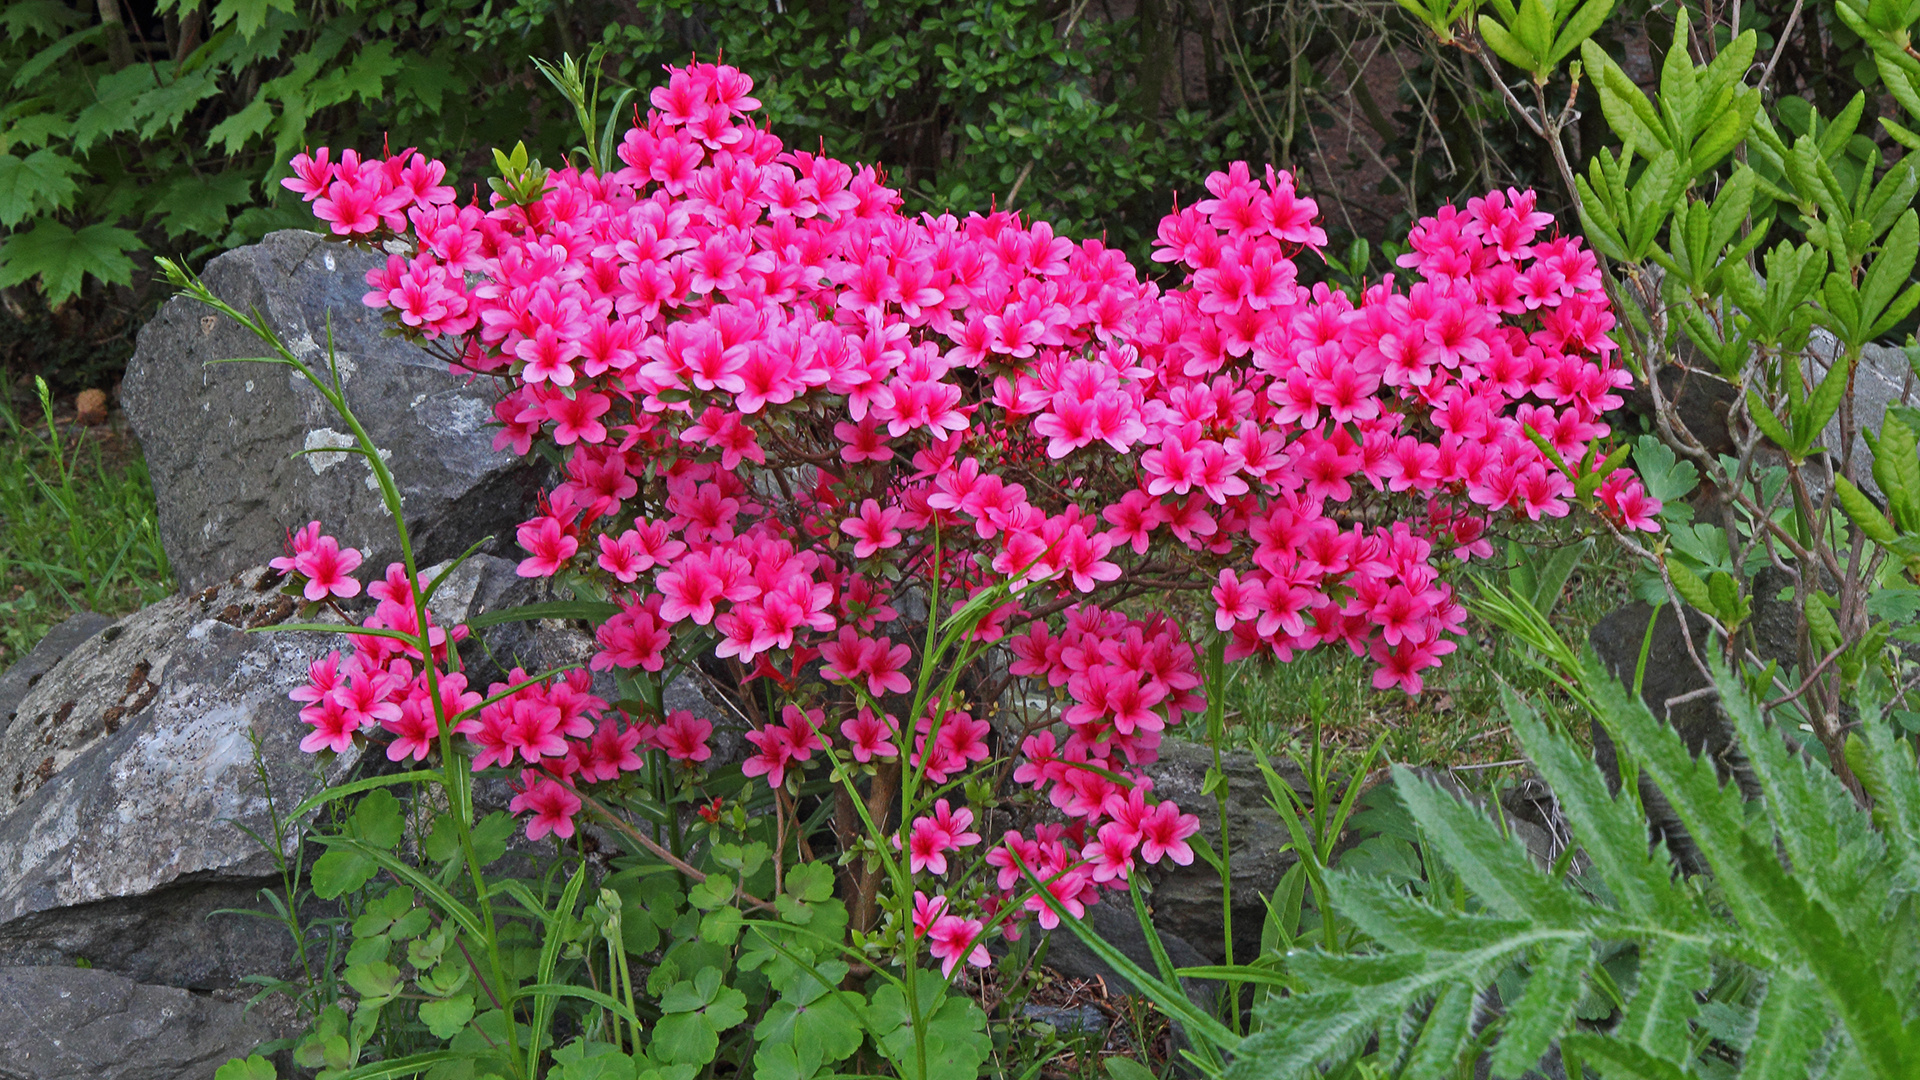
447 1016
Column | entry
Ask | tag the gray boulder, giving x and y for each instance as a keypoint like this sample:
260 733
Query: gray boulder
135 770
69 1023
1883 378
1186 899
23 673
221 439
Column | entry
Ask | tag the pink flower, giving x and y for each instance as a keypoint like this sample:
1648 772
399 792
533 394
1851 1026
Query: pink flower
873 530
1164 832
952 939
549 545
552 804
684 737
326 566
870 737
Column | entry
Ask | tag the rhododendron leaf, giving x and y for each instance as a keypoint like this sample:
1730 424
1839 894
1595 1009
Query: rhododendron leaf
1860 509
1689 586
1820 407
1509 47
447 1016
1768 423
1632 117
1579 28
1726 130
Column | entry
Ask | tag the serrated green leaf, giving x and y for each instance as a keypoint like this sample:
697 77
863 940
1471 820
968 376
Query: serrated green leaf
165 106
198 204
44 17
1792 1026
1497 868
114 108
1544 1008
62 258
41 181
1618 1060
39 62
233 133
248 16
1658 1014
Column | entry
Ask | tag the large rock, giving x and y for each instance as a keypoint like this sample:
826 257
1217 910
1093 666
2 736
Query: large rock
1884 377
134 772
23 673
1186 899
221 439
69 1023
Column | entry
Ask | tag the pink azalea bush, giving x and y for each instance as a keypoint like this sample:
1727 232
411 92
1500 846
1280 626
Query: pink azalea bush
790 411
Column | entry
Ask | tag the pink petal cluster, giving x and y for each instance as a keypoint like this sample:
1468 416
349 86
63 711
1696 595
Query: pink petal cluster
557 728
781 401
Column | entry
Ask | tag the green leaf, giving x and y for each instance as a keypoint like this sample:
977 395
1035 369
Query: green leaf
44 17
165 106
1671 973
1617 1060
1792 1026
447 1016
1442 1038
1544 1008
593 610
1896 467
1296 1033
1579 28
1497 868
1820 407
37 64
339 871
62 258
1611 831
248 1068
1891 268
198 204
248 15
1768 423
1504 44
233 133
113 109
43 180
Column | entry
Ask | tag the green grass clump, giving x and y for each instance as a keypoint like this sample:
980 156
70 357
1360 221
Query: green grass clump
77 527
